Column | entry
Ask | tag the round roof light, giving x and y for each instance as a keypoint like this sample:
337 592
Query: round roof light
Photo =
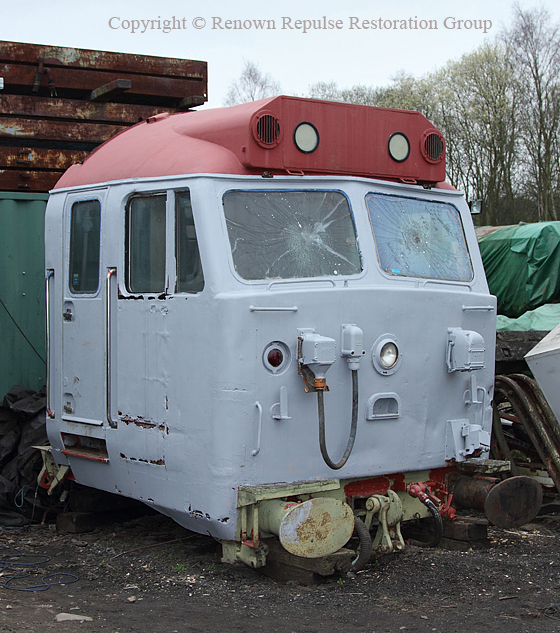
306 137
399 147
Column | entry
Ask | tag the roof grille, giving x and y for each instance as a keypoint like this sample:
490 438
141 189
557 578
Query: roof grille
268 129
433 146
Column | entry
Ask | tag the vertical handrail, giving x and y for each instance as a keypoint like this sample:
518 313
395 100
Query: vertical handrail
257 450
110 273
49 275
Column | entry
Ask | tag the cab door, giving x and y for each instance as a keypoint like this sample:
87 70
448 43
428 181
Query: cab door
84 366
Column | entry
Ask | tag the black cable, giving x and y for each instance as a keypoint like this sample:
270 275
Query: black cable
365 546
438 526
22 333
552 610
15 566
353 427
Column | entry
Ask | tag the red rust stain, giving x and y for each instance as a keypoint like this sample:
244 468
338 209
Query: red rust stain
439 476
375 486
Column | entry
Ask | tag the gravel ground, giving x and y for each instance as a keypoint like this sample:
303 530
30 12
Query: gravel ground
149 574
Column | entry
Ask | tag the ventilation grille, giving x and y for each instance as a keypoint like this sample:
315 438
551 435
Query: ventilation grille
433 146
268 129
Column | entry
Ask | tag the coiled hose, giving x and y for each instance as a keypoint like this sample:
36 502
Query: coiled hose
365 546
438 526
353 427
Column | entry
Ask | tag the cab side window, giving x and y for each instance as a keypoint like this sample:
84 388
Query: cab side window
189 268
145 244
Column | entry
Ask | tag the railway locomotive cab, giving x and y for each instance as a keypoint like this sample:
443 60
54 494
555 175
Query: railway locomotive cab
270 319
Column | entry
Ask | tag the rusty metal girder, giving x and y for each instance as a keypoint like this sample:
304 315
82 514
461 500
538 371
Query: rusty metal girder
37 181
57 130
54 56
161 87
51 159
75 109
533 412
41 136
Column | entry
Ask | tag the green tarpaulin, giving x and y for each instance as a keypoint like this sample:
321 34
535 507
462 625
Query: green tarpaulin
542 319
522 264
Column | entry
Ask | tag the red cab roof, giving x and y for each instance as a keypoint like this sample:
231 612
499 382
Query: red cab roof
258 137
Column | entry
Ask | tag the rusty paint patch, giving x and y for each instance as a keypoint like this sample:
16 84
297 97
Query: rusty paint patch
375 486
198 513
139 422
155 462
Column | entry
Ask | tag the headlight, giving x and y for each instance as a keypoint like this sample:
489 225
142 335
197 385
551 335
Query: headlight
389 355
386 354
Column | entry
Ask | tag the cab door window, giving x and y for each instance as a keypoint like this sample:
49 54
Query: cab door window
85 229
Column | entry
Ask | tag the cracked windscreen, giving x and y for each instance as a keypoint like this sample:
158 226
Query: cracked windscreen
419 238
286 234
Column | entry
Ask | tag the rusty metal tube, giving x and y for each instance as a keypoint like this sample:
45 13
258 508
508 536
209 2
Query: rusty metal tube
471 492
507 504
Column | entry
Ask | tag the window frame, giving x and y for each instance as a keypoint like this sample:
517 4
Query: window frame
171 243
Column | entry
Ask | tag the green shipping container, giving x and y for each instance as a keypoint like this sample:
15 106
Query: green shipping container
22 290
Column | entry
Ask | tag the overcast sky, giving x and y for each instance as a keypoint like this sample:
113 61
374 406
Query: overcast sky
351 52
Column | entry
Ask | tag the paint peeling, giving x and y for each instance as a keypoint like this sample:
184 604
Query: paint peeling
155 462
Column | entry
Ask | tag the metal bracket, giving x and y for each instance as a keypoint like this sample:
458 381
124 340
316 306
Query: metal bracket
388 538
233 552
279 410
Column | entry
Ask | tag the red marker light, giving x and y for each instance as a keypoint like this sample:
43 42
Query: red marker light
275 357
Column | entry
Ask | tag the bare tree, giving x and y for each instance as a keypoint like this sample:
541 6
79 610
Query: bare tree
476 109
360 94
328 91
251 86
533 45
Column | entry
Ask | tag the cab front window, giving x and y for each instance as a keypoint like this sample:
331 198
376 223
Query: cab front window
419 238
291 234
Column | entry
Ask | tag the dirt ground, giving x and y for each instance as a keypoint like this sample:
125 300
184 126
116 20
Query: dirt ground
149 574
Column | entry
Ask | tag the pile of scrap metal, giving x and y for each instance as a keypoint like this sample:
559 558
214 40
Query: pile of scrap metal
522 264
22 428
58 104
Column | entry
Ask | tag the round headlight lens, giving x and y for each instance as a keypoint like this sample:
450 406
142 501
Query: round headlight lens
399 147
389 355
306 137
